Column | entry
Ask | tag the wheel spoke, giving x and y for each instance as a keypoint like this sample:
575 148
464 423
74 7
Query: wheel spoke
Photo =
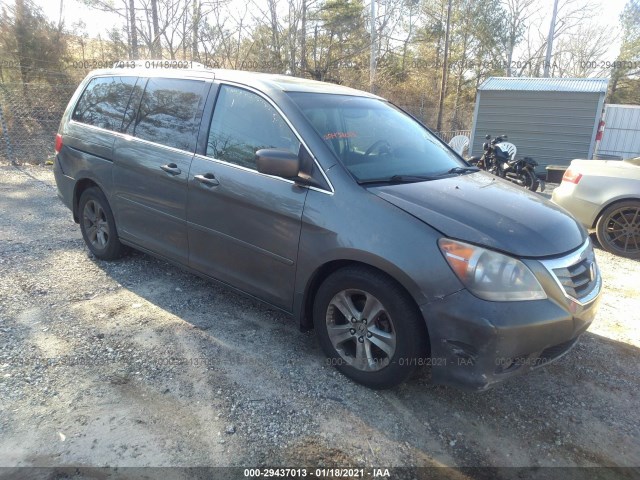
617 237
92 231
339 334
89 212
361 357
371 361
383 340
102 239
372 308
626 242
616 221
99 213
344 303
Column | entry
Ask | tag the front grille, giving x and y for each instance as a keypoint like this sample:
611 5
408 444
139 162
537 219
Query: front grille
576 280
577 274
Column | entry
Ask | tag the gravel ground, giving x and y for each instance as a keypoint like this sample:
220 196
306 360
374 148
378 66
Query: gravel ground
137 363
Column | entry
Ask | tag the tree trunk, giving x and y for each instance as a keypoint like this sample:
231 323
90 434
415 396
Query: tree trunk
155 44
194 30
133 31
303 37
445 65
276 56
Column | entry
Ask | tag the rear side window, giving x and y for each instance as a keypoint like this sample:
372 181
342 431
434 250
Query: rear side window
243 123
104 102
170 112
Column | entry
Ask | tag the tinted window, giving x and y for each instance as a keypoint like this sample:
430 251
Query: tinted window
243 123
128 123
170 112
104 102
373 139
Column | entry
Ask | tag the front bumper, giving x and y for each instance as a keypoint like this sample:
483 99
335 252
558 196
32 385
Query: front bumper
477 343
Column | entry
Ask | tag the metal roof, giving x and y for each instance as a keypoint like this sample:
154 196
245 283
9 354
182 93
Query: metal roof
529 84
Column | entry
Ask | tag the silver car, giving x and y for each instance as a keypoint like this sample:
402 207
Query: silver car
604 195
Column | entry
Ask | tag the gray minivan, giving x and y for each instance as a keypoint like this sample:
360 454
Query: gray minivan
334 206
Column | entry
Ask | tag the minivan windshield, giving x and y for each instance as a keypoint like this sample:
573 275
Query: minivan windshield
376 141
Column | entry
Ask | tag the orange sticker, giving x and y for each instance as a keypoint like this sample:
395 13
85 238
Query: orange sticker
334 135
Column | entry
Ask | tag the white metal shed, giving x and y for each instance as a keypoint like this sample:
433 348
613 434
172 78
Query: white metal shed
621 137
552 120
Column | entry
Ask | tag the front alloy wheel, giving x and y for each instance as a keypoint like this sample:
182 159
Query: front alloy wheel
361 330
369 327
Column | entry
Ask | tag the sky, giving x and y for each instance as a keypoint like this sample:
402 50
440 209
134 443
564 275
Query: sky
99 22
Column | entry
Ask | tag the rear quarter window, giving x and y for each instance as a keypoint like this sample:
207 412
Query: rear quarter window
104 102
170 112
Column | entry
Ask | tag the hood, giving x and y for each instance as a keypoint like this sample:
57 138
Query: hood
482 209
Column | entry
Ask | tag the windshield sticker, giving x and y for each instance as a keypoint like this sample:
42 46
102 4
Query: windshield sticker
334 135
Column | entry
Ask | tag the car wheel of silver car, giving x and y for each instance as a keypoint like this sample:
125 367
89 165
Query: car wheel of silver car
368 327
618 229
98 225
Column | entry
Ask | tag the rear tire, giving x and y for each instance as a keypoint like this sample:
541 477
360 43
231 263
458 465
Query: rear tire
531 181
618 229
98 225
380 351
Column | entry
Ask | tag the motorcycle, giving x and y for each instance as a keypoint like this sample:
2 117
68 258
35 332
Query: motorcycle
497 160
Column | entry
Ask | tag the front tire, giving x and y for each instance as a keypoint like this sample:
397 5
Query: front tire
618 229
369 327
98 225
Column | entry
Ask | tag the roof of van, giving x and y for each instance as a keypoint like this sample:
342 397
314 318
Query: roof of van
258 80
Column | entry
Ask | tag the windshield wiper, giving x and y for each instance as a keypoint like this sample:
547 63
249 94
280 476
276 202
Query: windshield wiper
462 170
400 179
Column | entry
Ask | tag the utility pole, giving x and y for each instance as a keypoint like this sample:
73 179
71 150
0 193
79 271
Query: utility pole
445 68
372 60
552 32
61 15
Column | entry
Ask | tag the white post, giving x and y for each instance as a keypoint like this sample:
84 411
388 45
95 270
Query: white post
552 32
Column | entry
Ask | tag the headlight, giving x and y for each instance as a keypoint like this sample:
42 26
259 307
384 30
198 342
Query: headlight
491 275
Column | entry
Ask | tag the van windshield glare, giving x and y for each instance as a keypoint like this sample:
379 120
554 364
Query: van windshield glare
373 139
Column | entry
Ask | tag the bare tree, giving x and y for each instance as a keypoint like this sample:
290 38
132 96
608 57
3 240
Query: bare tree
518 14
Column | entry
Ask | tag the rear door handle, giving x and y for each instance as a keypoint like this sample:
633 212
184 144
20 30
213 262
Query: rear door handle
171 168
208 179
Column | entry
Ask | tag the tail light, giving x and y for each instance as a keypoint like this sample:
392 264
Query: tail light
58 143
571 176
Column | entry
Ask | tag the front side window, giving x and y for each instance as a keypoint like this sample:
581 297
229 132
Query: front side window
243 123
104 102
170 112
374 140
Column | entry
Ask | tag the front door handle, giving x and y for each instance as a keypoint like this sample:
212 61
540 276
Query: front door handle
171 168
208 179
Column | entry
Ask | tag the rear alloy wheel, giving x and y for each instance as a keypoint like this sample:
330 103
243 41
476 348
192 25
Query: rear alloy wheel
368 327
618 229
98 225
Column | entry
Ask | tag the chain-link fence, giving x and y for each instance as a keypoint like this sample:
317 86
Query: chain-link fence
30 115
29 118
